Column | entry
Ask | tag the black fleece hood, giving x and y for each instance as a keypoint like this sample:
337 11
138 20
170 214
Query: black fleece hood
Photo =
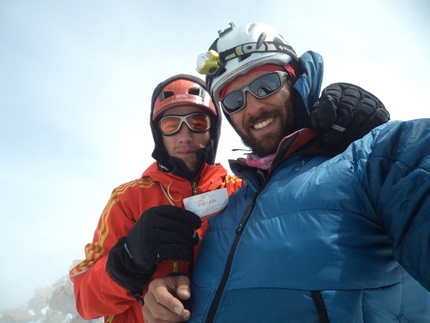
207 154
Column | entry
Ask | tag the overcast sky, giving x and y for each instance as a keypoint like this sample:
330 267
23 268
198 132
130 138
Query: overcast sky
76 77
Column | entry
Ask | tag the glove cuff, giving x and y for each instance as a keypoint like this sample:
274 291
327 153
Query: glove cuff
123 270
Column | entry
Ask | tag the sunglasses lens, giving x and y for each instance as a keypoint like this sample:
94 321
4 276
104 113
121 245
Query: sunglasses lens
197 122
261 87
265 85
234 101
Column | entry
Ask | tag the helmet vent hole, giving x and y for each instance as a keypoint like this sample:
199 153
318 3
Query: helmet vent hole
195 92
166 94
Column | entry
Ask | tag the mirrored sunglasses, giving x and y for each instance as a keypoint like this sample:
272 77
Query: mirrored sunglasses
261 87
196 122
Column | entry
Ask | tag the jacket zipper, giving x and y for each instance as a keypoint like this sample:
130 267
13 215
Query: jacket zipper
316 295
191 266
215 302
217 298
194 187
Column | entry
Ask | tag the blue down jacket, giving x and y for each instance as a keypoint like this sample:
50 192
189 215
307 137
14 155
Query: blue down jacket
321 239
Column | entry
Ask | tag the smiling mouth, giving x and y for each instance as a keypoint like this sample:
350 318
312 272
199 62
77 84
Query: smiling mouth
263 124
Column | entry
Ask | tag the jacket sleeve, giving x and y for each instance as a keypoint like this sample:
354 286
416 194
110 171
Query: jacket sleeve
232 183
96 293
398 178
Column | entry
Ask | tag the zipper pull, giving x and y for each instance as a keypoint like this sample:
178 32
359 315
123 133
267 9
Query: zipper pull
194 187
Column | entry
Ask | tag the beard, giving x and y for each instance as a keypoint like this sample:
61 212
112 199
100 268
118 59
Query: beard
268 144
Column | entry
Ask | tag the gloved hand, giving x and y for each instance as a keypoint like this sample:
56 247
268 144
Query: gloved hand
346 112
161 233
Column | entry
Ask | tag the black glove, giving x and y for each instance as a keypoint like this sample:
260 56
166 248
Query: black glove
162 233
346 112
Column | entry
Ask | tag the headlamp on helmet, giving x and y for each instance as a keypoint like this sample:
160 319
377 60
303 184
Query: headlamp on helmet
208 63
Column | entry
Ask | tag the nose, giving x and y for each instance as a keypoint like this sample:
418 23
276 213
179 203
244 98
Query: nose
184 134
253 104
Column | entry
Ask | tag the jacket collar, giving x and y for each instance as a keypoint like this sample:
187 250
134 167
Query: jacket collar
297 141
210 177
303 140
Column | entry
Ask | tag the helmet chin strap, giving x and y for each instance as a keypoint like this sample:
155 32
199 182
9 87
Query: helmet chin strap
179 168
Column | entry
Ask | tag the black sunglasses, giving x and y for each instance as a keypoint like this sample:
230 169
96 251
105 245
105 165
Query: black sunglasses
261 87
196 122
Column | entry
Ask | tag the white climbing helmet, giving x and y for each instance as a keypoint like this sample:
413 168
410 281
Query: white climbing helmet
238 50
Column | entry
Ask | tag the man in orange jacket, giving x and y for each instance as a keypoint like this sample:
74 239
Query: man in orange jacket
144 231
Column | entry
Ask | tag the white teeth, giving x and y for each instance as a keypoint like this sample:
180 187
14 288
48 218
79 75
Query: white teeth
263 124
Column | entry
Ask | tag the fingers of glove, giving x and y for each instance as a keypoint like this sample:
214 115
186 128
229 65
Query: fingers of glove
338 130
323 113
345 99
354 108
163 245
355 113
379 117
158 226
167 218
174 237
335 107
363 103
363 111
369 114
181 215
166 229
346 107
352 123
175 252
363 121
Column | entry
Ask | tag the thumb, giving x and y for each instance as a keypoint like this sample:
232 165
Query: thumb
183 287
324 113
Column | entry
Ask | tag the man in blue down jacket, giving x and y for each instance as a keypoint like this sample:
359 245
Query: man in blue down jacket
312 236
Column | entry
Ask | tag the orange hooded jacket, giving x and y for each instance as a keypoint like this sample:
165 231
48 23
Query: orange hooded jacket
96 293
